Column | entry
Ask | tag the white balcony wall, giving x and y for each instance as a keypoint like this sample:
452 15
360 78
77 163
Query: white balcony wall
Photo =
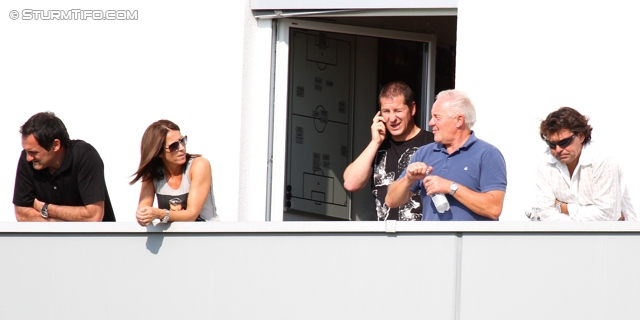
320 270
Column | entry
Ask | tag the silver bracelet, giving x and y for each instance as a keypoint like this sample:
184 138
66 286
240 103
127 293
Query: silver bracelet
559 206
166 216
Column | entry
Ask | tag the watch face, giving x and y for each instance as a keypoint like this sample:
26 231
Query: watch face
43 212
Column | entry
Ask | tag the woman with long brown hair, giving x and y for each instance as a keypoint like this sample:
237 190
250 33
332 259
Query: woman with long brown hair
180 181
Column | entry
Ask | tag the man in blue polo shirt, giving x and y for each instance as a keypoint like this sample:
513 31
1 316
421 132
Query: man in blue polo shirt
470 172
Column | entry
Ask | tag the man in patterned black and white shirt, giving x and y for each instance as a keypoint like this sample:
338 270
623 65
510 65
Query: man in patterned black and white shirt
395 137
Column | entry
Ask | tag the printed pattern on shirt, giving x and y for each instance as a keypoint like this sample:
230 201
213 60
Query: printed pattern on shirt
392 158
410 211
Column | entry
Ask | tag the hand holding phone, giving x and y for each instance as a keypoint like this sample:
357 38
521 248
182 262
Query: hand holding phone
378 128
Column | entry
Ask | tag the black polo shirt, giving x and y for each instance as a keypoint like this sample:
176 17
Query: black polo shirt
78 182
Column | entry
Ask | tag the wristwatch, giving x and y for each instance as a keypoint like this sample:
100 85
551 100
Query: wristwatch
559 206
166 216
43 212
453 188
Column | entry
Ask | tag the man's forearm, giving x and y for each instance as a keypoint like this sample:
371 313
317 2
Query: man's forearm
24 214
398 192
359 171
592 212
90 212
487 204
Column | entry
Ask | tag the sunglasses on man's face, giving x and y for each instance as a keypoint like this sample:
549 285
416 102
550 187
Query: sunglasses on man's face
562 143
176 145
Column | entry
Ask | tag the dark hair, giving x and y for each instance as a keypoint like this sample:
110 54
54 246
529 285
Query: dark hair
151 147
566 118
396 89
46 128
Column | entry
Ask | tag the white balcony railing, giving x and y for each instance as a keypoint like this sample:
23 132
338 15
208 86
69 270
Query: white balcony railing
320 270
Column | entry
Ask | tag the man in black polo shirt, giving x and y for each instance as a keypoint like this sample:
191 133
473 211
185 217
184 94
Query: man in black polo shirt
58 179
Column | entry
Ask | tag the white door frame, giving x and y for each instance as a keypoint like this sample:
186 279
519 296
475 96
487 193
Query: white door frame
275 192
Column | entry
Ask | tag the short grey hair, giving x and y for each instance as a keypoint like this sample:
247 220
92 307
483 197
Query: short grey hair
459 104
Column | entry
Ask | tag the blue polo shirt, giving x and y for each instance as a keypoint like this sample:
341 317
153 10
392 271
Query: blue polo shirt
476 165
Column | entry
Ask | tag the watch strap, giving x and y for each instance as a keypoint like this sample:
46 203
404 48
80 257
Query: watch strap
166 216
559 206
453 188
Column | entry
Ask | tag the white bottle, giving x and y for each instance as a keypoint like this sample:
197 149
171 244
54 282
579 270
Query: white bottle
440 201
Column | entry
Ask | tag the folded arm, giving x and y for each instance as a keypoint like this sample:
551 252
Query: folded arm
200 176
30 214
91 212
604 199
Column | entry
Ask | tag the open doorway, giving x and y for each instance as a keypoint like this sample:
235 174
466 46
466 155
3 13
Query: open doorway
334 75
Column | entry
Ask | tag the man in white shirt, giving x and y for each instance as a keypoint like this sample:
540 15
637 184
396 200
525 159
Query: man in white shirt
575 180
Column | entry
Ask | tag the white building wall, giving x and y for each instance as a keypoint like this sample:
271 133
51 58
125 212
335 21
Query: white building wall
207 67
521 60
108 80
254 141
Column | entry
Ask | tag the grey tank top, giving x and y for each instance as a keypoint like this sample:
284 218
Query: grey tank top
176 199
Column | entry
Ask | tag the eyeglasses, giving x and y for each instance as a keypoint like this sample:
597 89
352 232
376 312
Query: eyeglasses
176 145
562 143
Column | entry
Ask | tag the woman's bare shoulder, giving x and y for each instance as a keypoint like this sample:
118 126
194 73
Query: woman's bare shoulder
199 161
